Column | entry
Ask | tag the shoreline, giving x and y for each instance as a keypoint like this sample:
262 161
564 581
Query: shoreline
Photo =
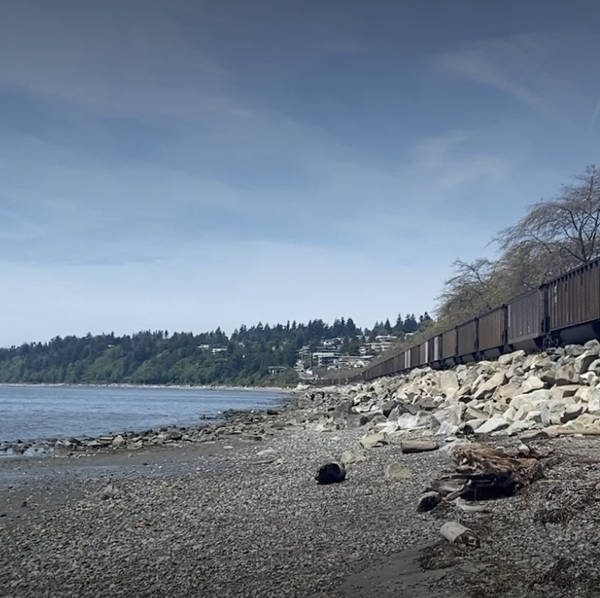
286 389
139 436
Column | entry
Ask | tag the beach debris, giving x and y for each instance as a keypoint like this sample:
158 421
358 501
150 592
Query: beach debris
457 533
491 473
331 473
418 446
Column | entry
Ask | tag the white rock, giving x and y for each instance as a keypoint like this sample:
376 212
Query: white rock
373 440
448 380
118 441
566 374
447 429
571 412
589 378
493 424
583 362
349 457
509 358
530 384
519 426
486 388
412 422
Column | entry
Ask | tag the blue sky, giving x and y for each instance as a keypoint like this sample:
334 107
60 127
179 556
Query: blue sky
184 164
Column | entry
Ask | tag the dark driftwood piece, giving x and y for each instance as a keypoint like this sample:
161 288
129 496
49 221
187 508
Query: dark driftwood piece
418 446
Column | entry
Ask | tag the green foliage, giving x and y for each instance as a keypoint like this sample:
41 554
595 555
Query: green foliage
181 358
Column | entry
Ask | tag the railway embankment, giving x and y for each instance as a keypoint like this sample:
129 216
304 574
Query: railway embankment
546 394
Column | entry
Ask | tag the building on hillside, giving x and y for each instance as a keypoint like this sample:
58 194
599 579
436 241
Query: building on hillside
324 358
353 361
276 369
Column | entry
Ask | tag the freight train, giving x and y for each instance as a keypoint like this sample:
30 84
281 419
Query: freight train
564 310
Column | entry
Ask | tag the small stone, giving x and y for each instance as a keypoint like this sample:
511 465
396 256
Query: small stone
396 472
373 440
349 457
110 492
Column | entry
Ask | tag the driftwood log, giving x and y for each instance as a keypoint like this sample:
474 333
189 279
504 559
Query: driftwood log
418 446
491 473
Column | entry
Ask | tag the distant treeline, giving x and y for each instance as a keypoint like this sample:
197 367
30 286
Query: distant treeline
250 356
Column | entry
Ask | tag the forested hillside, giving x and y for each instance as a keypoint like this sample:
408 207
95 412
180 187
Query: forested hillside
249 356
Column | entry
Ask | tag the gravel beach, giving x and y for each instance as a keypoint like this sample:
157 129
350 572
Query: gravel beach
241 517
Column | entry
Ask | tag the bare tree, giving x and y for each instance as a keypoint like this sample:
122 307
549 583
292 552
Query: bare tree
469 291
553 237
566 230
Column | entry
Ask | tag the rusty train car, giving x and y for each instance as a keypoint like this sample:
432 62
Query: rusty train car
564 310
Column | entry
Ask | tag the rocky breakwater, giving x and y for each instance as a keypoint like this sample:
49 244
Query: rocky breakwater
556 392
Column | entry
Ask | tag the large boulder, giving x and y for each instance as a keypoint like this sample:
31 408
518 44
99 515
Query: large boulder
448 382
509 358
492 425
571 412
566 374
564 391
530 384
583 362
573 350
485 388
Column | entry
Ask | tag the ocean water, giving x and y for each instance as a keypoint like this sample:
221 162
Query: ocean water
43 412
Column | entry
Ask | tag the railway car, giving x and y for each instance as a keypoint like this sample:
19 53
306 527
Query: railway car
564 310
573 305
525 321
491 332
466 341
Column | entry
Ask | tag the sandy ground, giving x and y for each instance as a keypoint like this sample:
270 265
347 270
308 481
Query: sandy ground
245 518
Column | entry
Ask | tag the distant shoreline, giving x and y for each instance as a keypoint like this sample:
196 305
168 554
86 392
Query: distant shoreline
283 389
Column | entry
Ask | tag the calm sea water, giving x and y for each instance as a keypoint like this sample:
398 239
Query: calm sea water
41 412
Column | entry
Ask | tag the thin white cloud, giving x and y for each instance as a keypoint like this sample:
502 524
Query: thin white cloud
513 66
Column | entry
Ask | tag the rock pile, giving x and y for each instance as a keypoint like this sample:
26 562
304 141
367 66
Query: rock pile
250 425
549 393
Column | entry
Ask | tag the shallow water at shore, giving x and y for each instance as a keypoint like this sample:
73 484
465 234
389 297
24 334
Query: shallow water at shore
41 412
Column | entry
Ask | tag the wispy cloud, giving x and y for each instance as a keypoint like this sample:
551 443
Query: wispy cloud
512 66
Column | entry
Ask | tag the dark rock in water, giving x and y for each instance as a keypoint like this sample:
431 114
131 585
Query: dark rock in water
272 412
331 473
